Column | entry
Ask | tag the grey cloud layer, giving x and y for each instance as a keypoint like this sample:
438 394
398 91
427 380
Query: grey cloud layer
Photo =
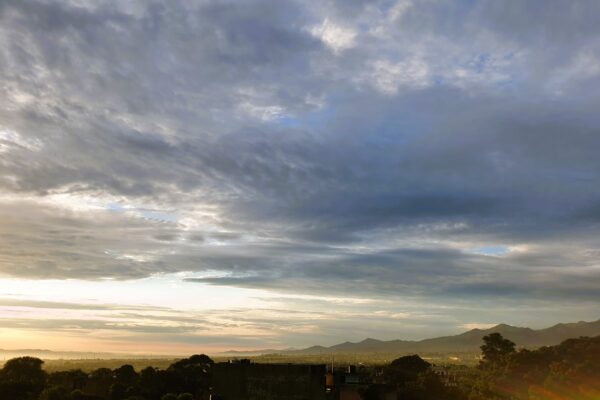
371 146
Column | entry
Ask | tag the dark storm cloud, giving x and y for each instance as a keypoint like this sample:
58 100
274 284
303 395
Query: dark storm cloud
370 146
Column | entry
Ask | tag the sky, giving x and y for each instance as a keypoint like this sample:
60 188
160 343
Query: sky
197 176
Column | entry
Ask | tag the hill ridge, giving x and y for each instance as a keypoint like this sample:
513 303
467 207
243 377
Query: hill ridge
468 341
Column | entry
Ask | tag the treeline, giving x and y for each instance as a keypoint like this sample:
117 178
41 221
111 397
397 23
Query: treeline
188 379
568 371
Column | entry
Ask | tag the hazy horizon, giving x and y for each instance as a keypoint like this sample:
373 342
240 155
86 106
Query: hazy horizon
201 176
69 354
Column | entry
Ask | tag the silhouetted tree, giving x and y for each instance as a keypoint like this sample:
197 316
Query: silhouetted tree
70 380
405 369
151 384
126 375
194 374
496 348
99 382
414 380
570 371
22 378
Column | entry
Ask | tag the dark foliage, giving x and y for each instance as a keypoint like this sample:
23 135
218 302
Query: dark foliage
495 348
569 371
415 380
405 369
22 379
193 374
188 379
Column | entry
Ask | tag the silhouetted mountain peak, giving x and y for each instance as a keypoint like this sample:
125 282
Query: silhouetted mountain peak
468 341
370 341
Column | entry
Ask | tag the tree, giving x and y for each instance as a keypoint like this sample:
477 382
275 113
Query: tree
570 370
151 384
126 375
99 382
194 374
22 378
405 369
496 348
24 370
70 380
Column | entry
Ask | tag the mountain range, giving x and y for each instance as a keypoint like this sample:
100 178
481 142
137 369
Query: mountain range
465 342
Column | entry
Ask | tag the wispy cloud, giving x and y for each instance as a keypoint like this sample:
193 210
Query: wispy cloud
423 151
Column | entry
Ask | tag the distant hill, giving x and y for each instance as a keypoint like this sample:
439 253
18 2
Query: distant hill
465 342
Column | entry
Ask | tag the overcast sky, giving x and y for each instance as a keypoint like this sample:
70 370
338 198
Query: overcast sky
181 176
